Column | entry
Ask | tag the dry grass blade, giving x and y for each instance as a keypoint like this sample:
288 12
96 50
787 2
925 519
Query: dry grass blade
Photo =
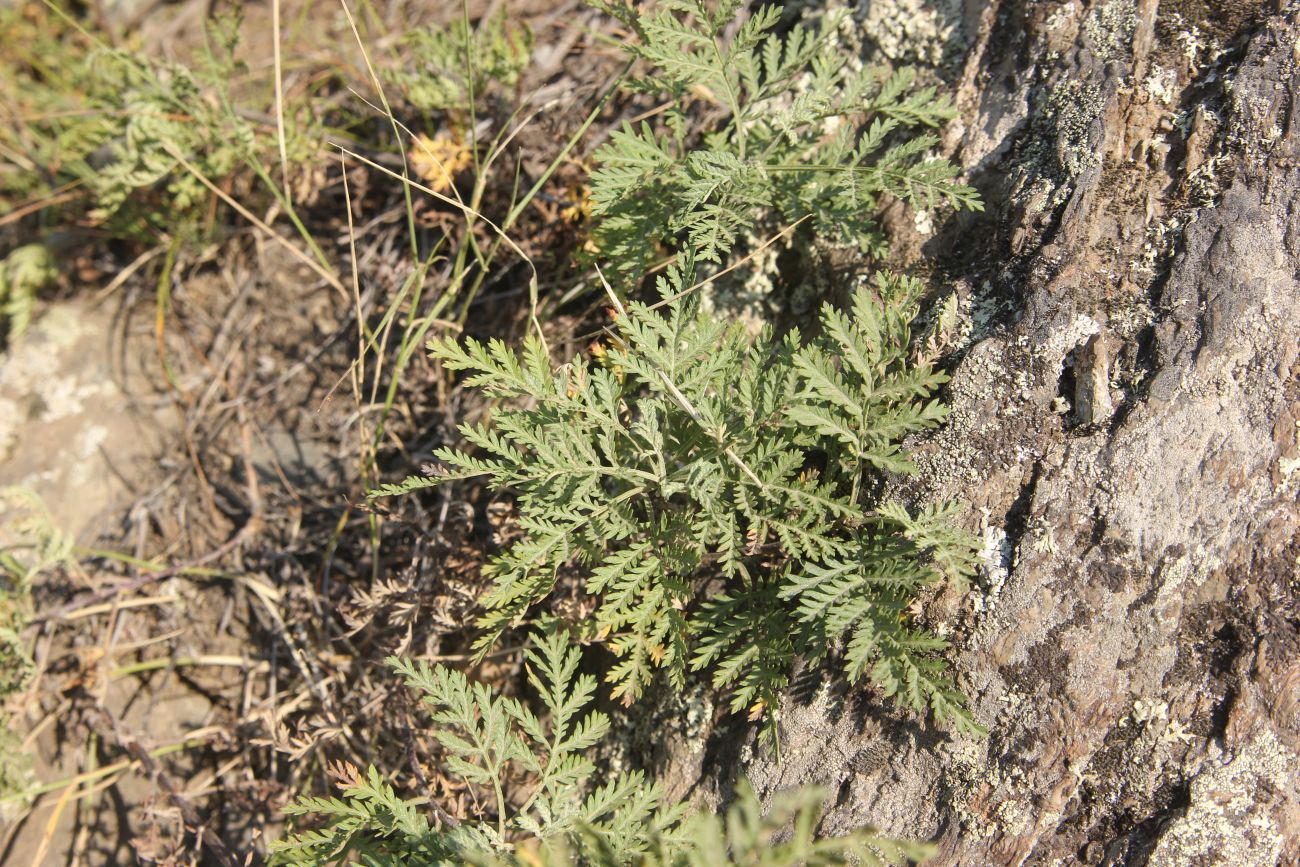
279 101
323 272
532 280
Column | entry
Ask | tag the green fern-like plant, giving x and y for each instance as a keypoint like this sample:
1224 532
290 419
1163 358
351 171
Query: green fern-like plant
450 67
487 741
717 496
110 120
805 132
574 815
782 836
23 273
30 544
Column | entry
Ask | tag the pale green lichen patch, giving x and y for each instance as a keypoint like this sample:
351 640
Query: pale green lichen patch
995 565
1072 107
1231 818
971 779
1110 28
1161 84
915 31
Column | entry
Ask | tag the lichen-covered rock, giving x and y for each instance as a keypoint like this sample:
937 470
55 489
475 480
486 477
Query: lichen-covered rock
63 413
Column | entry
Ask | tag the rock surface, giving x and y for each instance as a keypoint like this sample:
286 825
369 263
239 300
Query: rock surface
1126 420
68 430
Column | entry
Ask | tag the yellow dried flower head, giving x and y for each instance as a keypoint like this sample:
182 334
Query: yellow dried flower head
578 209
438 160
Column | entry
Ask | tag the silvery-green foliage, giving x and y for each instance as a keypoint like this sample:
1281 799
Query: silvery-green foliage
782 835
123 126
30 544
570 818
450 67
715 495
488 740
802 130
171 114
165 115
23 273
